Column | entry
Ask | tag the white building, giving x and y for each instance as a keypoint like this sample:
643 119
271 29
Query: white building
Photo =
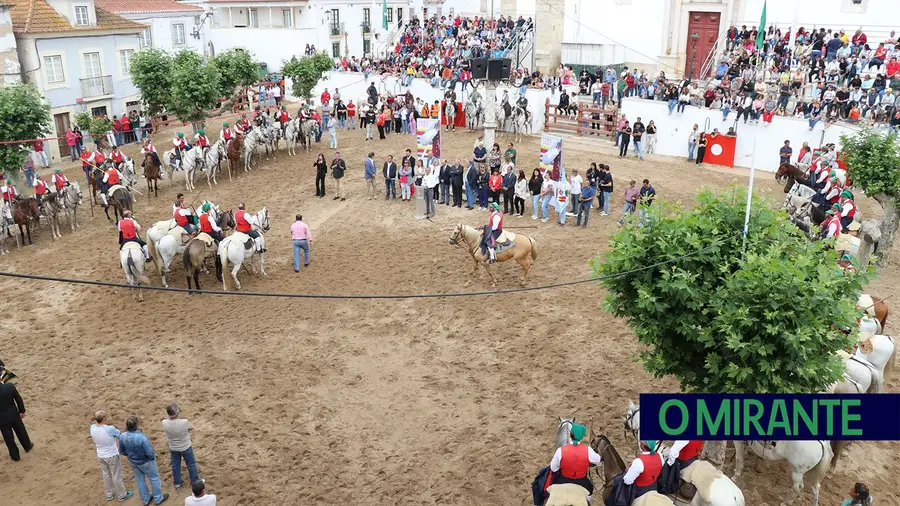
170 25
9 57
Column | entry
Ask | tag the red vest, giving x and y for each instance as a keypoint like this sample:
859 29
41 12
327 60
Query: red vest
226 134
491 222
84 159
60 181
852 210
652 467
284 117
40 187
180 219
241 223
99 158
204 224
691 450
129 231
574 462
117 156
202 141
113 176
9 193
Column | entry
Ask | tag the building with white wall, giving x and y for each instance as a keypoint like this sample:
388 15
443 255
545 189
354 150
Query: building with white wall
9 57
169 25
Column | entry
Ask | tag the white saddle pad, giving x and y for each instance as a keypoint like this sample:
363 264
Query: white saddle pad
567 494
206 238
131 245
506 236
113 188
865 301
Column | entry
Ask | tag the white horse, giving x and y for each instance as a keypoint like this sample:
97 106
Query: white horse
521 123
238 248
252 142
190 161
718 491
474 114
50 208
292 136
882 354
214 157
308 131
501 116
450 114
71 197
808 459
131 257
170 245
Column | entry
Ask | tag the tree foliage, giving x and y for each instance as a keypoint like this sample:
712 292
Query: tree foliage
195 87
306 72
151 71
83 121
23 116
236 68
720 321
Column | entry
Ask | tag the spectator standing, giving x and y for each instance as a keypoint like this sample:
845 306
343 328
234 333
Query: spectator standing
495 184
701 148
632 194
483 187
351 115
547 192
379 122
534 187
575 182
332 132
301 235
38 146
12 412
648 193
456 182
178 434
479 153
136 447
587 201
638 130
471 177
444 178
106 440
276 94
321 167
521 193
510 154
338 166
368 120
71 141
605 187
508 187
198 496
651 137
430 181
494 158
405 177
785 152
389 172
369 172
624 140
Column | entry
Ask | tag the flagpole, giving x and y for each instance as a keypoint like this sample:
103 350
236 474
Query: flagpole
749 196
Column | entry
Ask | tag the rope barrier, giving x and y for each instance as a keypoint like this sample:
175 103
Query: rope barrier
38 277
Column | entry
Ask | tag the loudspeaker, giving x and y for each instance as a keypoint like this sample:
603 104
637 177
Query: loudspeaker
498 69
478 67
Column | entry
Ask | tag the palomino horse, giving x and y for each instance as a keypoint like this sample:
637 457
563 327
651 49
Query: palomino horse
214 156
191 160
51 208
613 466
239 248
233 153
120 200
152 172
200 248
524 251
70 197
450 114
713 488
790 174
131 257
24 210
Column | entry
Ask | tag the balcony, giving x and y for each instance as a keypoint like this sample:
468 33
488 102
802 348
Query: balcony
337 30
93 87
366 28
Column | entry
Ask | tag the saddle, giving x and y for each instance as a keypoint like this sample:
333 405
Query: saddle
207 239
242 238
131 245
112 189
652 498
864 343
180 234
567 494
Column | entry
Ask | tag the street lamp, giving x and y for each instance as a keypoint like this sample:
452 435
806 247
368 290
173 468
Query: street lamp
694 38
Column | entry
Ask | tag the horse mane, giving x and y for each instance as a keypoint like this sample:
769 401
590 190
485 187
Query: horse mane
612 449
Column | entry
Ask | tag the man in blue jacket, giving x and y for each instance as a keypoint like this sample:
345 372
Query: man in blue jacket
135 445
370 176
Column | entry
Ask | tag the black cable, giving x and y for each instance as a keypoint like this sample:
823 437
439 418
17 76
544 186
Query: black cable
39 277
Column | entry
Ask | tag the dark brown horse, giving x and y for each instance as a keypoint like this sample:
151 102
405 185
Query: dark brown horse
152 171
121 201
24 210
790 174
233 152
612 462
196 253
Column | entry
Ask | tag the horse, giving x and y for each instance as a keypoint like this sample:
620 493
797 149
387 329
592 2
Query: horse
521 122
51 208
121 200
790 174
613 465
213 159
239 248
5 227
474 113
166 247
131 257
190 160
24 210
291 135
523 251
808 459
272 134
308 131
568 494
233 153
501 116
874 307
251 144
202 247
71 198
152 172
450 114
717 491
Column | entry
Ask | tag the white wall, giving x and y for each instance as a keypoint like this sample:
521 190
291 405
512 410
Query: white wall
637 24
673 132
161 30
9 57
834 14
353 87
269 46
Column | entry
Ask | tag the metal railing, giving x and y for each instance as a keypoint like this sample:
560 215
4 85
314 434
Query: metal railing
96 86
337 29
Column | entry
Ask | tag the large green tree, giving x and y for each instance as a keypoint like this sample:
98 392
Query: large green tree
763 319
873 159
195 87
236 68
23 116
306 72
151 72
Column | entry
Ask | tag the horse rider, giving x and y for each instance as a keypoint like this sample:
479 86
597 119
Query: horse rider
644 470
179 202
244 222
831 227
184 217
834 191
504 103
226 134
450 97
495 223
522 103
148 147
201 140
40 188
117 158
284 118
685 452
58 181
128 232
8 189
848 209
111 177
180 145
242 126
208 223
571 462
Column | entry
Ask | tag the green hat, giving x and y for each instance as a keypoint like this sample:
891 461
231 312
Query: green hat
846 194
202 132
495 205
651 445
283 108
829 212
205 207
833 173
578 432
835 180
58 170
225 124
836 206
846 256
180 134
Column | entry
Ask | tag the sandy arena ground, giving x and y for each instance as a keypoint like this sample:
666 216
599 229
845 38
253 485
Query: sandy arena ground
298 401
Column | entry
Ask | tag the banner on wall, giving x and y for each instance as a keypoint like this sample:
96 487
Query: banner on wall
551 156
720 150
428 139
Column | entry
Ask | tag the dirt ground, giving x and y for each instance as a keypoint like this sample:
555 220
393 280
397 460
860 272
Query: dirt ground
315 401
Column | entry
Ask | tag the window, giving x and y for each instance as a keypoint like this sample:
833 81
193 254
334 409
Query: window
53 69
92 65
178 34
367 46
286 17
399 16
145 38
336 49
335 22
81 15
254 18
125 59
197 21
367 20
390 15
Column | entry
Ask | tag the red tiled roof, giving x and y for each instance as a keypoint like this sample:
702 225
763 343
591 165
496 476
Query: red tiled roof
37 17
256 1
134 7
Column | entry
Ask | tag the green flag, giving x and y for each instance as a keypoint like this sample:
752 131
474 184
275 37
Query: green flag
384 23
761 34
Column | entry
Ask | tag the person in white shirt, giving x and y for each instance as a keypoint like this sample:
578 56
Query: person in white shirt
430 181
575 184
106 439
199 496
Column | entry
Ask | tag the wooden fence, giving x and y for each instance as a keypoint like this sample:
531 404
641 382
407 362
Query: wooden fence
582 119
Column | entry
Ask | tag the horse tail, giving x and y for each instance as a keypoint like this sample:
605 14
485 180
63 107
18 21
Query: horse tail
817 473
132 269
533 248
186 259
837 447
223 259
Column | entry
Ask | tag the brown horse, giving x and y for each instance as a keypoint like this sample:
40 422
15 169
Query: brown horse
196 252
24 210
789 174
121 201
524 252
613 465
233 153
152 170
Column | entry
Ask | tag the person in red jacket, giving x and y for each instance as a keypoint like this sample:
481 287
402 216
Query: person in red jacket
644 470
40 188
326 97
283 118
685 452
571 462
129 231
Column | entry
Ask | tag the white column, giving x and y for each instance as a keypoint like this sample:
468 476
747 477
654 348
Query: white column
490 114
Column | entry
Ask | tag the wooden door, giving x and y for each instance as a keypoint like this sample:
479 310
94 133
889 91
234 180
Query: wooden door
706 26
62 125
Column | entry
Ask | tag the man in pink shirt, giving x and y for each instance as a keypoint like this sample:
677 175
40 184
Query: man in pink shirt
302 237
632 194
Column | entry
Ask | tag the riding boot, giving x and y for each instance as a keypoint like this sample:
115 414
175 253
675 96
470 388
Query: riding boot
103 199
259 248
493 255
146 253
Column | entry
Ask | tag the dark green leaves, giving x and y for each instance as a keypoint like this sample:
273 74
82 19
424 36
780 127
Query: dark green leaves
874 161
151 71
305 72
23 116
236 69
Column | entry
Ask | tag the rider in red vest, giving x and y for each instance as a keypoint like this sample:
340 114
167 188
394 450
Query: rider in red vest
184 218
117 157
8 190
181 145
129 231
110 178
848 209
495 222
244 222
686 452
40 187
644 470
208 223
59 180
283 117
571 462
226 133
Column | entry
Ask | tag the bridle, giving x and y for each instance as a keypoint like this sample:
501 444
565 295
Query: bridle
629 419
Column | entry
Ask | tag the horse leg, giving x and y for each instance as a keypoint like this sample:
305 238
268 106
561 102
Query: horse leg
487 267
187 277
797 485
738 460
234 271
